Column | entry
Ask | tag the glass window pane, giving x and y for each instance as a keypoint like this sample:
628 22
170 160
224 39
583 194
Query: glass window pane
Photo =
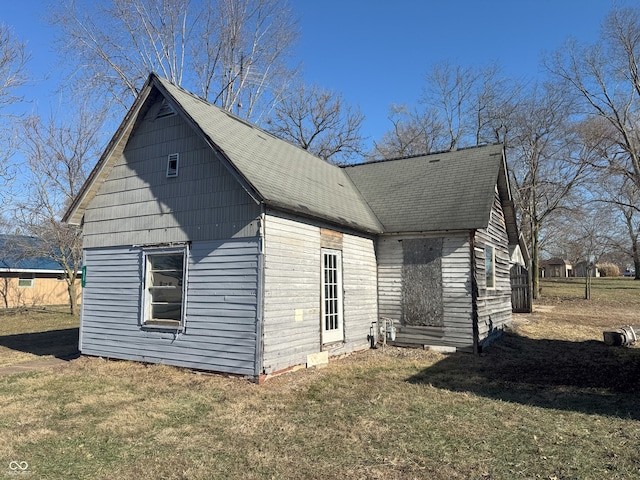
166 262
172 295
164 286
166 311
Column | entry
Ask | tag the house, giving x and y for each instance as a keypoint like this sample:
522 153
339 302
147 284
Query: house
28 278
556 268
211 244
582 268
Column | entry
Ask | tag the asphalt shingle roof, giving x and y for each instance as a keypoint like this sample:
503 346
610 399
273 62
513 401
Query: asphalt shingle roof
282 174
436 192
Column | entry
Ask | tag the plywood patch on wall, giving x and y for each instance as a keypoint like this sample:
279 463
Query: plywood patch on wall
422 303
330 239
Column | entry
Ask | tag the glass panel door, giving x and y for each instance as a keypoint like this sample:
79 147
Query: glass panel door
331 301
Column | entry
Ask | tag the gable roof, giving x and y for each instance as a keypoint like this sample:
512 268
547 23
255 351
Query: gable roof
16 256
272 171
437 192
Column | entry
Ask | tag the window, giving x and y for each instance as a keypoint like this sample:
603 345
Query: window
490 266
26 281
172 165
164 288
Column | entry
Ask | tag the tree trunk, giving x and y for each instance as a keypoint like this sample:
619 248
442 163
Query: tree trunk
587 283
535 273
636 260
73 297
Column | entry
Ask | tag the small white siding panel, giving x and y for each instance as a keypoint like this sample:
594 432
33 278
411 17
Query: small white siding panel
221 306
457 326
292 263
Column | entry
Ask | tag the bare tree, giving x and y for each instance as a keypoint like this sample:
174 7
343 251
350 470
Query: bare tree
473 104
450 89
13 59
624 196
58 157
546 162
461 107
606 77
233 52
320 122
413 133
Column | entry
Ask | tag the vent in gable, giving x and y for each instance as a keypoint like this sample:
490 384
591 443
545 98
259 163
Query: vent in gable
165 110
172 165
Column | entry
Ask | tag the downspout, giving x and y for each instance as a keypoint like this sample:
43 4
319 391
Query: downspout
260 297
474 293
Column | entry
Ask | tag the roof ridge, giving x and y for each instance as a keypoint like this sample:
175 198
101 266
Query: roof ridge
428 154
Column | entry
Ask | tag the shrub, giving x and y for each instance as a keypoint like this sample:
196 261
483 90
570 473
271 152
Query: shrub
609 270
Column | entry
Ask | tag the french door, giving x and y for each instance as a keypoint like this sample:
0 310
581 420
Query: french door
331 301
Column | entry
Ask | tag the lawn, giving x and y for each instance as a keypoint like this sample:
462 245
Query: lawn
31 334
548 401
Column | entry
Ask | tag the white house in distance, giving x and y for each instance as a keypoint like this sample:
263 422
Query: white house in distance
211 244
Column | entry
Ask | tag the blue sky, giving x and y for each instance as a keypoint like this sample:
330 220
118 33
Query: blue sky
376 52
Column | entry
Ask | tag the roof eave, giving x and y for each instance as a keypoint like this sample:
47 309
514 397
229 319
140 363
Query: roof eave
316 216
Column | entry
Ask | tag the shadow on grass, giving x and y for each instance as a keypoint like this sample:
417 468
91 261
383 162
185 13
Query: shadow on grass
58 343
587 377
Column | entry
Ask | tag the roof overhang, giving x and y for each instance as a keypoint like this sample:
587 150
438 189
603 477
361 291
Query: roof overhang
508 208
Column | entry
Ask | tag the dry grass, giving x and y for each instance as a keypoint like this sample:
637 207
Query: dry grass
548 401
30 334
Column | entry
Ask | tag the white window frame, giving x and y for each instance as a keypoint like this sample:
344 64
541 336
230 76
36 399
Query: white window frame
173 172
331 297
147 297
490 266
31 279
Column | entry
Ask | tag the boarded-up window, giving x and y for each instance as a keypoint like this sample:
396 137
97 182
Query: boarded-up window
422 282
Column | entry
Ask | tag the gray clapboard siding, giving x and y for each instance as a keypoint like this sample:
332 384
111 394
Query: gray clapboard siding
456 329
221 308
360 292
292 292
292 286
494 305
137 204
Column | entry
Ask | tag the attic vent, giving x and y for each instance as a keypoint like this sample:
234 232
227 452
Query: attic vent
165 110
172 165
434 161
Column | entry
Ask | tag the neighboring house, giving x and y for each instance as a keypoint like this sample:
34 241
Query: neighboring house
555 268
580 270
27 278
211 244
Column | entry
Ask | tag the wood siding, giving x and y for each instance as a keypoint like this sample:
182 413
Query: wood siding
221 309
292 265
456 329
46 290
138 204
494 305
